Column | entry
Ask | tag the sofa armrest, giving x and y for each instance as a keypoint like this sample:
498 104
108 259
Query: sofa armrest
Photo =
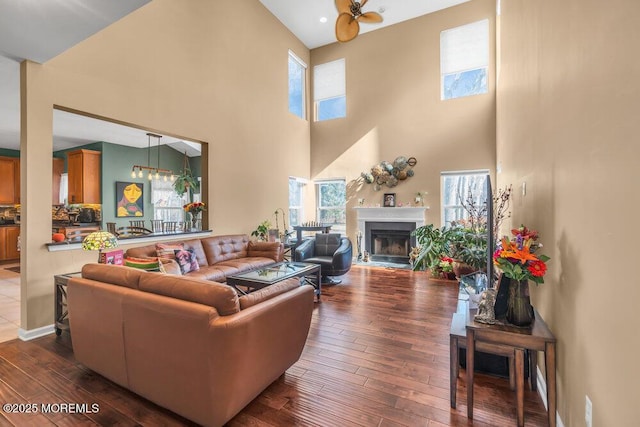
305 250
273 250
342 256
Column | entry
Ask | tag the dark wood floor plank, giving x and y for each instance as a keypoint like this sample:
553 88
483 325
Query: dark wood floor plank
377 355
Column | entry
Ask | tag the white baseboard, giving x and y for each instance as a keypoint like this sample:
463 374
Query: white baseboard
542 391
26 335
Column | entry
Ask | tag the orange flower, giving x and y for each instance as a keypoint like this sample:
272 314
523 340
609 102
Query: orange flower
510 250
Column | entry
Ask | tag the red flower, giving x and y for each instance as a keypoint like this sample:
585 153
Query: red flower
537 268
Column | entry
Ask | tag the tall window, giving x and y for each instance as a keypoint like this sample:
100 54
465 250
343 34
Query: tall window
167 204
297 85
464 60
456 187
329 90
332 200
296 200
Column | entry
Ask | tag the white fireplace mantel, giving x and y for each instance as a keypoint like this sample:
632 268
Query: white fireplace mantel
375 214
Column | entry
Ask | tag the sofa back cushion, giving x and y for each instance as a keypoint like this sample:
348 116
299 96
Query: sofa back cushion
221 297
142 251
224 248
327 244
265 250
114 274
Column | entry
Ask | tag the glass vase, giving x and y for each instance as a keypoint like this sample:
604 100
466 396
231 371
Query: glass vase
519 309
196 221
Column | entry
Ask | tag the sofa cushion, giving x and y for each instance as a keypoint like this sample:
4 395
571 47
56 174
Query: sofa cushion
269 292
223 248
326 244
186 258
168 250
196 245
115 274
147 264
264 250
217 295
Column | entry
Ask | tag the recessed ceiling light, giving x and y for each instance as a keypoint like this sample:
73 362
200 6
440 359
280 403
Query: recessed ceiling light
323 19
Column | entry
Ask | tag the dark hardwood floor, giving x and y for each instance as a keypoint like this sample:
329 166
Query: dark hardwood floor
377 355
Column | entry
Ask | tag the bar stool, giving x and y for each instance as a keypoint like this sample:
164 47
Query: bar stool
157 225
111 228
137 223
170 227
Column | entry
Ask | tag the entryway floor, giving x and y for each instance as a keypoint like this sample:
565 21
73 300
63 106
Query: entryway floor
9 303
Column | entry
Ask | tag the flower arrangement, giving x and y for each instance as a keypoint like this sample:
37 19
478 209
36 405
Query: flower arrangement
517 259
446 264
194 208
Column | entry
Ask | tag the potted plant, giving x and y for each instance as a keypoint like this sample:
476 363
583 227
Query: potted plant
185 180
262 231
433 243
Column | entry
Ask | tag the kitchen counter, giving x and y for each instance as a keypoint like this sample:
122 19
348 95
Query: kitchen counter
153 237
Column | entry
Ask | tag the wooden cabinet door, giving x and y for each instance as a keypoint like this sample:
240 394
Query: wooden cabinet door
12 234
9 180
3 243
58 170
83 168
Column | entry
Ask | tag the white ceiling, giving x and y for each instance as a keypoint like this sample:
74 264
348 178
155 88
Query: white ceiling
302 17
41 30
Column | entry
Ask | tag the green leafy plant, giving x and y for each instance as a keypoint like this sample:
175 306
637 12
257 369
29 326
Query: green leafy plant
433 244
262 231
185 180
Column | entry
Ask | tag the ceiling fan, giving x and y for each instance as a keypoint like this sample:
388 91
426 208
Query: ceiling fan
349 13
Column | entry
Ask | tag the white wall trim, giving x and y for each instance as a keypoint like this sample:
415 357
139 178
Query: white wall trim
542 391
27 335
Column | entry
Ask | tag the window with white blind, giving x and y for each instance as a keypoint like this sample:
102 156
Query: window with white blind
297 85
464 60
329 90
167 204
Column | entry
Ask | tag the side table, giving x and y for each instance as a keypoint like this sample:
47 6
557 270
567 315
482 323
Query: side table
536 338
60 308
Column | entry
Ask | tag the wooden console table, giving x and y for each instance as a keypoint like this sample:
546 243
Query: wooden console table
536 338
61 319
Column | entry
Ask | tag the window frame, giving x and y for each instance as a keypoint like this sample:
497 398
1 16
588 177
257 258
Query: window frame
292 57
329 85
464 50
339 226
301 184
168 187
464 186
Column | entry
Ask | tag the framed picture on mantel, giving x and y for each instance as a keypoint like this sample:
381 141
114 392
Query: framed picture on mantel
389 200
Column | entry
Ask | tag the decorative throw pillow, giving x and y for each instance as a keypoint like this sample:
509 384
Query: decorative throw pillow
187 260
147 264
167 250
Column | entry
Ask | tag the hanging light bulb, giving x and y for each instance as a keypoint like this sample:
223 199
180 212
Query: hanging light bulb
150 176
172 178
140 173
133 173
165 178
157 175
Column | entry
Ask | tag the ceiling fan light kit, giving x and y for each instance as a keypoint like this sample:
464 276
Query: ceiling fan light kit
349 15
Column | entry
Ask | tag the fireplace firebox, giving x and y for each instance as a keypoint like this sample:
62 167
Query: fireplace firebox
389 241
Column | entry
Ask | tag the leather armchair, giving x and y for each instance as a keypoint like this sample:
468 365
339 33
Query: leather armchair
332 252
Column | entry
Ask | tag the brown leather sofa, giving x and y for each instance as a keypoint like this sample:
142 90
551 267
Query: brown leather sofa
189 345
221 256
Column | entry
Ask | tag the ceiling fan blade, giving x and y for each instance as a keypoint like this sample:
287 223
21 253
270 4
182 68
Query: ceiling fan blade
363 2
343 6
347 27
370 18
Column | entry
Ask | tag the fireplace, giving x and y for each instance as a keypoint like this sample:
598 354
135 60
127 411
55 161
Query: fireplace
389 241
386 232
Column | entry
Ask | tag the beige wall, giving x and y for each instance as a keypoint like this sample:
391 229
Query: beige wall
568 101
209 71
394 109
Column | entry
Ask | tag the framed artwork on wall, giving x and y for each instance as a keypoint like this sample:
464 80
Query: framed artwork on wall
129 199
389 200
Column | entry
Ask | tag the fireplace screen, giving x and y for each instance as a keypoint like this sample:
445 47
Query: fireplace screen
389 241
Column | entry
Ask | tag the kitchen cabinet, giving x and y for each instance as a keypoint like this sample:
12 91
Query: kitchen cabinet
58 170
9 243
83 170
9 180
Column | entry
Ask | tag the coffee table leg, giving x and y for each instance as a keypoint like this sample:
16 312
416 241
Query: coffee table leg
319 282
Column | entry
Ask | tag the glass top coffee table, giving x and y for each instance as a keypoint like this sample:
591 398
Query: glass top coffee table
266 276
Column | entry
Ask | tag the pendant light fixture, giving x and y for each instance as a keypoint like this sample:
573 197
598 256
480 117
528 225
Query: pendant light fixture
159 173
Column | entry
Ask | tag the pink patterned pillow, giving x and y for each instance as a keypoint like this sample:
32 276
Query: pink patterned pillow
167 250
187 260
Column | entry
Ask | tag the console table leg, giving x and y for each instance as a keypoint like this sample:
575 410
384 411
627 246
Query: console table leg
550 367
471 346
519 353
453 370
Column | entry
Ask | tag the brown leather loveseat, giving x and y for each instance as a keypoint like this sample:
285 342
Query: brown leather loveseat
221 256
189 345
